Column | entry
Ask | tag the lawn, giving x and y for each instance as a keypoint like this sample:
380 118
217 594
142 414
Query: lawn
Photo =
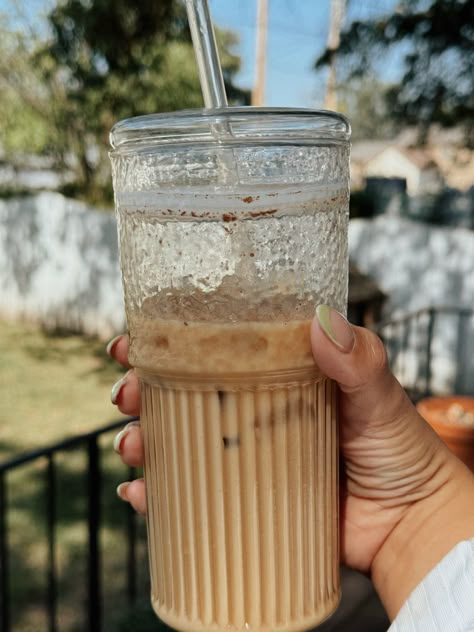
54 386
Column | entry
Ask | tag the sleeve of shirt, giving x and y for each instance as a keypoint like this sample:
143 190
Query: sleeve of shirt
444 600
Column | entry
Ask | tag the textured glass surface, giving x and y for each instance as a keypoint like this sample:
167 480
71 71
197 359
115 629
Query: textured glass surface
291 246
226 224
233 226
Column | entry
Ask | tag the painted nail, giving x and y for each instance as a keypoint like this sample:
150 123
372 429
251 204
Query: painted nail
117 387
122 491
336 327
120 436
111 344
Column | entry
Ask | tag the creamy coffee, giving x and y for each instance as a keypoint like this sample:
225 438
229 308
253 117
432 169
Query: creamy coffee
240 466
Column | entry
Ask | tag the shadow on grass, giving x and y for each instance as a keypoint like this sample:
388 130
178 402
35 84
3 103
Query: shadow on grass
27 521
7 448
71 480
58 345
141 618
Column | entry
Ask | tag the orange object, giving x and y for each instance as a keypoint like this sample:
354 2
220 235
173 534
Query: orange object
453 420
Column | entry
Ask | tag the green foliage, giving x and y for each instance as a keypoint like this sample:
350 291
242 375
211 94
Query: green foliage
18 122
436 41
24 126
101 62
364 101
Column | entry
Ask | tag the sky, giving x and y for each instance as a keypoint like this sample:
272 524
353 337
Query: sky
297 33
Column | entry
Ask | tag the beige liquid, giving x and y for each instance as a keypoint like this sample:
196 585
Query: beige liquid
241 475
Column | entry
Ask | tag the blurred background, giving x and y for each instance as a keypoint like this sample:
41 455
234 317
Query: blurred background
71 557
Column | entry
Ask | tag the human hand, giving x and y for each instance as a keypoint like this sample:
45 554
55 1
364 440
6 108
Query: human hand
405 499
397 479
129 441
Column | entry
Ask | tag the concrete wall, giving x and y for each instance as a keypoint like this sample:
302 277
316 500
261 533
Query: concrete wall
420 266
59 265
416 264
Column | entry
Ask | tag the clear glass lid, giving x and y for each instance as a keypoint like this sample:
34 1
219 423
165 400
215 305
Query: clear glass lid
230 126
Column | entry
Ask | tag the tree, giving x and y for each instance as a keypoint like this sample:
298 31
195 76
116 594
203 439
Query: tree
435 39
364 101
104 61
25 127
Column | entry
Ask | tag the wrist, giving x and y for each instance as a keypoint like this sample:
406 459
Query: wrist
427 531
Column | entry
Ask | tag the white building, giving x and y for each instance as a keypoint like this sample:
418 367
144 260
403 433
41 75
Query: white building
444 160
415 166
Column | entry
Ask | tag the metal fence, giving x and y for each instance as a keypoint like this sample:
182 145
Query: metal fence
431 351
89 445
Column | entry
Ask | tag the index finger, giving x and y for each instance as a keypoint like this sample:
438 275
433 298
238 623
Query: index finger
118 349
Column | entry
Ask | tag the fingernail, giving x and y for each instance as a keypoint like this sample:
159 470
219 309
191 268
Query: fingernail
111 344
122 491
336 327
117 387
120 436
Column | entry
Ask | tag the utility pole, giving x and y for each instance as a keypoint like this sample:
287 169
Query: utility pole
338 8
258 92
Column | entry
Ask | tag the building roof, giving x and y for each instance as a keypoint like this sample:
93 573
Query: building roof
364 150
421 158
444 150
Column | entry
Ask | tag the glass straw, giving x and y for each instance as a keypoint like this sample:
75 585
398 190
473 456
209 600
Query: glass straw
207 57
212 81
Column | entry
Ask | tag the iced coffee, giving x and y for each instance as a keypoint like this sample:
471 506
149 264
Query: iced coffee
222 275
241 472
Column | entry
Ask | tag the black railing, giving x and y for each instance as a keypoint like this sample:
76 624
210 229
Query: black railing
431 350
92 493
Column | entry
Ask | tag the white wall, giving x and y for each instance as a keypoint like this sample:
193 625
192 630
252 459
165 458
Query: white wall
418 266
59 265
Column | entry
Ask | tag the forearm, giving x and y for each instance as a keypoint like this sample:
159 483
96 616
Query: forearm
428 530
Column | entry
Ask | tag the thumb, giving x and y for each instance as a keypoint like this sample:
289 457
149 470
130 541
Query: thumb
356 359
391 454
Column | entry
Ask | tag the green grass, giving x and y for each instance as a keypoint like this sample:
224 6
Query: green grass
54 386
51 387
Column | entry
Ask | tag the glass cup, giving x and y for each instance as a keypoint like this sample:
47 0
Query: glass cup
232 229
